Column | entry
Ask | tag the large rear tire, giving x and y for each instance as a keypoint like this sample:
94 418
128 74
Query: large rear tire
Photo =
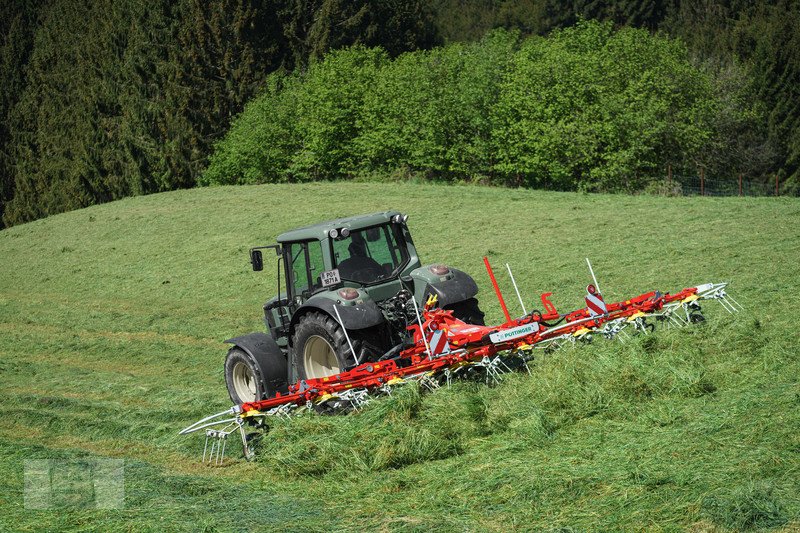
468 311
319 347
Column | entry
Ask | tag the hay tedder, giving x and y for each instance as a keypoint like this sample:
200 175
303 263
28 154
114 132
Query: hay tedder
437 343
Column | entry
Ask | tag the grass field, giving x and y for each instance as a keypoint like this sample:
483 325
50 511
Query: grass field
112 317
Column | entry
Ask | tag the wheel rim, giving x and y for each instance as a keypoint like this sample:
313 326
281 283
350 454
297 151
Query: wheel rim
319 358
244 382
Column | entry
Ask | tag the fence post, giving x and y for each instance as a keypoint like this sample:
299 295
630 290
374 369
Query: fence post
702 181
776 185
740 184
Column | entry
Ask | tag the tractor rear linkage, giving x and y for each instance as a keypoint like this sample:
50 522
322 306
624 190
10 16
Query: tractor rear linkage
445 348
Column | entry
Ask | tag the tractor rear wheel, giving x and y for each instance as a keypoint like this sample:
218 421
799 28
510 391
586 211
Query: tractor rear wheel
320 349
468 311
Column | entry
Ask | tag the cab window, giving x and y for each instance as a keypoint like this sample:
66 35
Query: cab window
370 255
305 260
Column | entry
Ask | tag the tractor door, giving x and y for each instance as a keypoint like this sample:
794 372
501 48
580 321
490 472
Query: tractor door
304 264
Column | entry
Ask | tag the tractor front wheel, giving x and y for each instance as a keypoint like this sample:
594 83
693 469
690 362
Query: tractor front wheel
254 377
243 377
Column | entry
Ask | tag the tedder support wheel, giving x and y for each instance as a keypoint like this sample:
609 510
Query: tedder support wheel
697 318
320 349
254 378
468 311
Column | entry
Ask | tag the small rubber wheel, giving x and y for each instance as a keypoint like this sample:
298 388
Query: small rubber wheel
696 318
468 311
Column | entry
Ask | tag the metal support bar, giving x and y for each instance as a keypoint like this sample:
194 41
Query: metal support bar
346 336
596 286
496 289
516 289
421 329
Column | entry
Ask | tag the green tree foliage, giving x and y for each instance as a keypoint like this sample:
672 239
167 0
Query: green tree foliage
16 43
300 128
67 126
328 105
769 40
224 51
749 48
398 26
358 113
129 97
465 20
111 99
587 108
594 109
430 111
262 140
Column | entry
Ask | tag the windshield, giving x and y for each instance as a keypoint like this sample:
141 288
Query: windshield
370 255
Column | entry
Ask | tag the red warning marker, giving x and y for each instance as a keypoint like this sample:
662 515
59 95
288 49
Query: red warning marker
438 343
594 302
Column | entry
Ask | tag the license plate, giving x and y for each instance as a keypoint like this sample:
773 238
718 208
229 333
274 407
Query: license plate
330 277
514 333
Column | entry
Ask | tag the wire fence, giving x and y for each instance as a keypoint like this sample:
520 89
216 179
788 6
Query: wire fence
699 185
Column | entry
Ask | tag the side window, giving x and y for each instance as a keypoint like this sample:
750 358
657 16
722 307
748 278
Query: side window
297 272
316 263
306 266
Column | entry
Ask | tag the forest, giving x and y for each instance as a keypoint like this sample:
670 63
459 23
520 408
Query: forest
132 97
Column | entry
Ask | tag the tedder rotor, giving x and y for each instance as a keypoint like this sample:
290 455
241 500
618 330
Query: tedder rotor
429 332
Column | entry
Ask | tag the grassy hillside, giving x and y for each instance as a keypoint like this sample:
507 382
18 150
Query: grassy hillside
111 321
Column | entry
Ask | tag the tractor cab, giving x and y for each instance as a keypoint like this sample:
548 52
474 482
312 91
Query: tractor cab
369 252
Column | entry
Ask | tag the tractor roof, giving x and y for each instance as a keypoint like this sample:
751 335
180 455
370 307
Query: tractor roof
320 231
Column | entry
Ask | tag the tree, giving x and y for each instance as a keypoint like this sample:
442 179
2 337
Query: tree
66 108
594 109
224 51
768 39
16 34
314 28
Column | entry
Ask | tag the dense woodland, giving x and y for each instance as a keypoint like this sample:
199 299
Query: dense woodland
129 97
587 108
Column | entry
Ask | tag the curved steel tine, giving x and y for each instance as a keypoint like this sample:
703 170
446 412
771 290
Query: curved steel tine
192 429
201 424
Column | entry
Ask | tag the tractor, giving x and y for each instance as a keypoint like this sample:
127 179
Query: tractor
347 291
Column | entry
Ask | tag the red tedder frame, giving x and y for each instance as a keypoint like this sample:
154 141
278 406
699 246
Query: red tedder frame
497 289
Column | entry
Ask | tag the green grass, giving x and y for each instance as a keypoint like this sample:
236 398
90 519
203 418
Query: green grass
111 321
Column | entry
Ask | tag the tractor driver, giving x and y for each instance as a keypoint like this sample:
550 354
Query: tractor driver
359 266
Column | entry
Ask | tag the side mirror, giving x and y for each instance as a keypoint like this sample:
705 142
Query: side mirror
256 260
